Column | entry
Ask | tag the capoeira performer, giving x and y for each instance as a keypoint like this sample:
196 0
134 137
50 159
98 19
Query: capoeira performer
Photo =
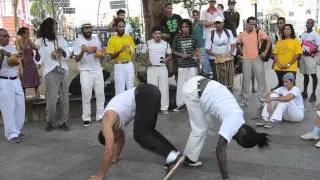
208 97
142 104
283 103
12 105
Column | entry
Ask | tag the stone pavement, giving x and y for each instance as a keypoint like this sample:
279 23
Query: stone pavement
75 155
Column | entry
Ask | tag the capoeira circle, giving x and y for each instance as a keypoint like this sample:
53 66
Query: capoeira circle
142 104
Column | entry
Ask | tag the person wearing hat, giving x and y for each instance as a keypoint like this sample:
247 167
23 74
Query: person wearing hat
91 76
208 98
159 53
12 102
219 47
207 19
141 105
283 103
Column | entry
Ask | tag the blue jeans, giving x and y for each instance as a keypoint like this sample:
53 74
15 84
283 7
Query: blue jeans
206 64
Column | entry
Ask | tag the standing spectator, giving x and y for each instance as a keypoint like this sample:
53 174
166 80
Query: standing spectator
308 65
121 48
91 76
220 7
286 53
220 46
157 74
54 52
252 62
121 14
232 18
171 26
30 77
281 21
197 30
12 105
186 49
283 103
315 133
207 18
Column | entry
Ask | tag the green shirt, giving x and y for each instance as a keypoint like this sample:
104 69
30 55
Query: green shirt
197 30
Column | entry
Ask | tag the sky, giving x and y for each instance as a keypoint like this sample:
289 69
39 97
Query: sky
88 10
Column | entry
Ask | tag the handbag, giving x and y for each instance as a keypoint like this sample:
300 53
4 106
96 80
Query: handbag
263 48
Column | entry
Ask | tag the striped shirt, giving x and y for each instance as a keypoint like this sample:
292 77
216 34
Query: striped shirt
187 45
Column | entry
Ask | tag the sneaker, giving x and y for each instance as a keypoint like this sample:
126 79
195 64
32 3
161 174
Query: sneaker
243 104
304 95
312 98
269 125
64 127
86 123
317 145
261 122
179 108
21 135
49 127
14 140
164 112
191 163
172 167
310 136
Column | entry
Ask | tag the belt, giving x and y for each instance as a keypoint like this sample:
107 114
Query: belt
123 62
11 78
202 84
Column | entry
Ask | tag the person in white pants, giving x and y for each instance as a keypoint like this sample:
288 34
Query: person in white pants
314 134
205 97
12 102
283 103
121 48
91 76
186 48
157 73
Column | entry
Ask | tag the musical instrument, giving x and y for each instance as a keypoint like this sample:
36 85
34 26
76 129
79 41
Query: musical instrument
13 60
224 69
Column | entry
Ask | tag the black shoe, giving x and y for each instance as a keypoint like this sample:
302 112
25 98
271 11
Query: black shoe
64 127
172 167
312 98
49 127
304 95
179 108
86 123
21 135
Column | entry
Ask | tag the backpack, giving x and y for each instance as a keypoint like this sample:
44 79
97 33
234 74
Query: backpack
263 48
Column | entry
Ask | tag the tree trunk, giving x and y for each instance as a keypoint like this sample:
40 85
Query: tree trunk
153 11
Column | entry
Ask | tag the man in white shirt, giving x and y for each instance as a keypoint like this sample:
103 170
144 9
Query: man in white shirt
204 97
308 64
91 76
12 105
283 103
157 74
141 104
219 46
54 52
207 19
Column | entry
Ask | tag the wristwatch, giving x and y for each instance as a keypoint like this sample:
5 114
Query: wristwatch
288 65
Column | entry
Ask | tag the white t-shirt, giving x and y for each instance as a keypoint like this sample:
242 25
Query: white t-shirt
221 44
295 91
128 29
206 16
6 70
125 105
217 100
88 62
156 50
312 36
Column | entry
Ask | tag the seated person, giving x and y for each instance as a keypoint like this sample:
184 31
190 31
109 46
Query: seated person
283 103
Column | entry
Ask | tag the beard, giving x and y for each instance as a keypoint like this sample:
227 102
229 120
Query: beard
120 33
87 35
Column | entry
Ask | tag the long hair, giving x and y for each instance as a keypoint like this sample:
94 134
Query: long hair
253 138
188 22
47 30
292 35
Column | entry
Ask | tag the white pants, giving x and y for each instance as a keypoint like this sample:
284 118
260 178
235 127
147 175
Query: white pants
123 77
158 76
92 80
286 110
184 74
12 107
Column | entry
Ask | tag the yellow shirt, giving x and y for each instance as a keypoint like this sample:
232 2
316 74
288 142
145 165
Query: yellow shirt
285 50
116 42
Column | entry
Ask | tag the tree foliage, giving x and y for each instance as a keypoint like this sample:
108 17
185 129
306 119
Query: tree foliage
190 5
39 10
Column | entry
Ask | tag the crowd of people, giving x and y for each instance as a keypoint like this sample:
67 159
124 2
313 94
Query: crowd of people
201 55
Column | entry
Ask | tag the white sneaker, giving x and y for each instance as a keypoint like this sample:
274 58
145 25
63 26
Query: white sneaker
164 112
310 136
317 145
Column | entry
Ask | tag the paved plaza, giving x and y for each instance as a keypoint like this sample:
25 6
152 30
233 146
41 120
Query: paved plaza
75 155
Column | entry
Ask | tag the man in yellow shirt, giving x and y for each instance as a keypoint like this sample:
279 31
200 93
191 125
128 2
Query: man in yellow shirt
121 47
